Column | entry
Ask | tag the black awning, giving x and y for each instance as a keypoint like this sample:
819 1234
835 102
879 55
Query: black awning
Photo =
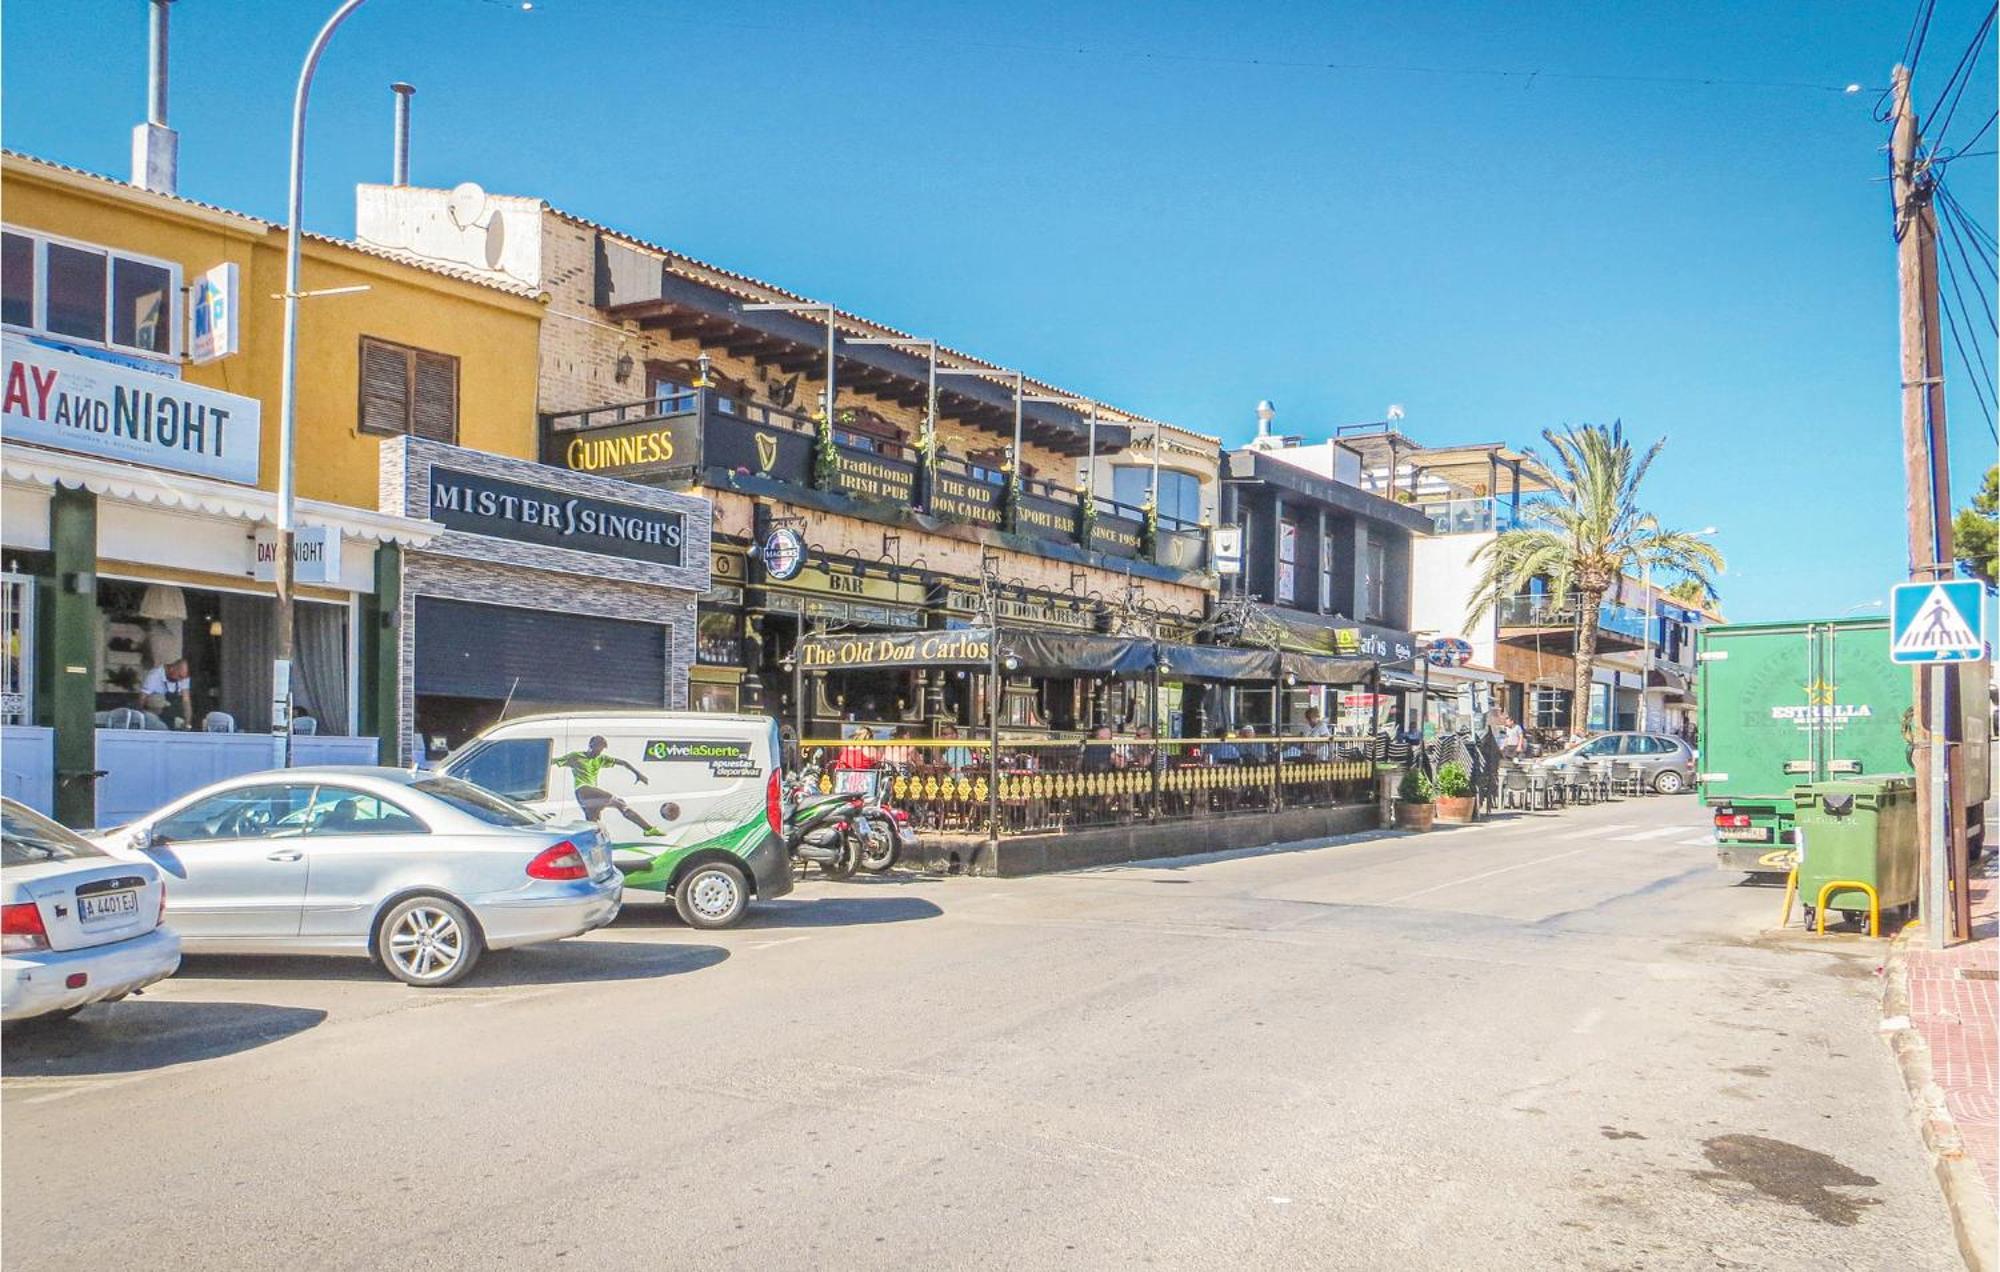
1048 653
1316 669
1217 662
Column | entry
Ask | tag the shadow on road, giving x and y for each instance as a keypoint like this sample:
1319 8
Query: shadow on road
146 1033
554 963
797 912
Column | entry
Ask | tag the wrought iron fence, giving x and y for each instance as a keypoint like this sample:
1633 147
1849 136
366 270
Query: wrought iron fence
1055 784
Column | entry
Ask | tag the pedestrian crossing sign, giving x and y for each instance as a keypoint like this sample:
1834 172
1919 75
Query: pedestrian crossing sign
1937 622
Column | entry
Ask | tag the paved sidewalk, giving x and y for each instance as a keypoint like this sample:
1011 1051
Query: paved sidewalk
1952 1001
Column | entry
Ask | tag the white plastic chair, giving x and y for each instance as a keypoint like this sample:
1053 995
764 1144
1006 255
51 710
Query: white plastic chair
219 722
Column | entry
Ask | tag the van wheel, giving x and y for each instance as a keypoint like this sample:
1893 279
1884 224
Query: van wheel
712 895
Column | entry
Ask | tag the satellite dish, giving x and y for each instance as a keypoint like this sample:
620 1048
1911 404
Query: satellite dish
466 203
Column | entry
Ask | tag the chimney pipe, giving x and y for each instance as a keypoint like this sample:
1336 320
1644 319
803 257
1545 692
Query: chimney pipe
400 164
156 147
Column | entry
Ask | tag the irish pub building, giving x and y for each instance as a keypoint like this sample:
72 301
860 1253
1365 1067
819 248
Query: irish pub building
941 492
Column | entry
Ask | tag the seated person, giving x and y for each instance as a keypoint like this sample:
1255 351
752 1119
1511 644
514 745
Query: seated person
1099 755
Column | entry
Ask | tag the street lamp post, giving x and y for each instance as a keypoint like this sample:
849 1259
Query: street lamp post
281 667
928 449
1014 454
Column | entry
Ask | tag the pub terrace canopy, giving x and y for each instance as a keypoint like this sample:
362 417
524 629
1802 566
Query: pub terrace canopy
1035 652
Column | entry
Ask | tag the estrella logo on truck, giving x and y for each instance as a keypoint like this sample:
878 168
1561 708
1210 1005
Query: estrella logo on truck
1820 708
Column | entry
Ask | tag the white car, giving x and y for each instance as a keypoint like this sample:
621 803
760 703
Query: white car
77 925
418 871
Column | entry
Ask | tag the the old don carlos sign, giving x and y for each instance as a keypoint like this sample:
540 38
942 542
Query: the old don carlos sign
894 649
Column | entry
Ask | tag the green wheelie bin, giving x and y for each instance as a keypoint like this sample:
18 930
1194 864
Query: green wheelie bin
1858 830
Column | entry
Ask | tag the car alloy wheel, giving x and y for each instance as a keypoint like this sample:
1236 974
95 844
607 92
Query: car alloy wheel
1669 782
428 941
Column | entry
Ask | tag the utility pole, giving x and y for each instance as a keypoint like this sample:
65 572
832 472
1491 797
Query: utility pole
1927 481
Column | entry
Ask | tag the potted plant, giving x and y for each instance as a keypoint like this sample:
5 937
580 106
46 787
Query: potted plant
1414 808
1455 804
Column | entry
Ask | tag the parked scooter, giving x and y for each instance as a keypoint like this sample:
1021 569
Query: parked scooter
827 830
887 834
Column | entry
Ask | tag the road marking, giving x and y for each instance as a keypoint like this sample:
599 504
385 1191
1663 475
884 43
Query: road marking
1697 841
1590 832
784 940
1439 887
1658 833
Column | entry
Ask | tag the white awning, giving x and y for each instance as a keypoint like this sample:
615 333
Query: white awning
131 483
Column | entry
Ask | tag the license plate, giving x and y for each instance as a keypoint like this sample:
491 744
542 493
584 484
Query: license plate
107 905
1753 835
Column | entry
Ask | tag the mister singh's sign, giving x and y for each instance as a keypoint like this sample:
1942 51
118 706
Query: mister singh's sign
102 409
502 509
895 649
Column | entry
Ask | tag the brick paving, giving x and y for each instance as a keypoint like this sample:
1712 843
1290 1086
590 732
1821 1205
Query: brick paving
1955 1005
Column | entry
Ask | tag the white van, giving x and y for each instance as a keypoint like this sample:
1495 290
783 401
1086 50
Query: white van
691 802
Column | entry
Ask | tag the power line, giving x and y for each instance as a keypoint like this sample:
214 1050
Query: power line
1986 306
1980 235
1913 49
1961 76
1982 386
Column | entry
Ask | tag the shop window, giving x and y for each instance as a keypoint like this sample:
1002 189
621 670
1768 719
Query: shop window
515 767
712 698
89 294
1551 708
405 390
224 641
17 630
718 638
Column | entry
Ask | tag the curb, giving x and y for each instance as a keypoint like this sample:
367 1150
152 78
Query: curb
1973 1220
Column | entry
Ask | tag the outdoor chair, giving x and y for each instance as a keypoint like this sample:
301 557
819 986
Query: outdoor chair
1625 777
219 722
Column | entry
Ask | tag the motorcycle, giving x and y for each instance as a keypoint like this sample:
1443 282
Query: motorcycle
886 829
826 830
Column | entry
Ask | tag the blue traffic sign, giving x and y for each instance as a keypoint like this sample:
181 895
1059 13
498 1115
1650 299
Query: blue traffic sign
1937 622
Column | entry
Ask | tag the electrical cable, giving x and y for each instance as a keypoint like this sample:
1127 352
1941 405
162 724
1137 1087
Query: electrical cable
1980 235
1985 304
1961 77
1913 49
1983 385
1956 223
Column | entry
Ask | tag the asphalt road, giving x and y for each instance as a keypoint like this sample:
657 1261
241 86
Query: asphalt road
1552 1041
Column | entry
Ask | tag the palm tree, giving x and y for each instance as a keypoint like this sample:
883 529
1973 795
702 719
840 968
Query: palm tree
1584 537
1695 593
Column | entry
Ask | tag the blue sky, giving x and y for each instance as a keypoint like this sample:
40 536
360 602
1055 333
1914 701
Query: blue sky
1145 203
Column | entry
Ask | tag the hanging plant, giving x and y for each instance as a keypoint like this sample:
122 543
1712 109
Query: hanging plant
1149 532
826 460
1086 514
1010 494
927 453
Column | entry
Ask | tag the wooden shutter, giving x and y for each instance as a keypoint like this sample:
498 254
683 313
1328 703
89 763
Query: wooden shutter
385 387
406 390
434 406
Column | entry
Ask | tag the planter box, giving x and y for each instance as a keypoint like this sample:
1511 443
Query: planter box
1456 812
1415 816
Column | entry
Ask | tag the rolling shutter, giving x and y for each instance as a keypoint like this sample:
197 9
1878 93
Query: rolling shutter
466 650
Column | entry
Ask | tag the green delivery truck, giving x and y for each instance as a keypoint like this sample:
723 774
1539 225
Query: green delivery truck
1785 703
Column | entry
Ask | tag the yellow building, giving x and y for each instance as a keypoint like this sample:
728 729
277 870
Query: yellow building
141 460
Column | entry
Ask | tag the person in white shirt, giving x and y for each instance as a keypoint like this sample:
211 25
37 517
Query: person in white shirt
168 692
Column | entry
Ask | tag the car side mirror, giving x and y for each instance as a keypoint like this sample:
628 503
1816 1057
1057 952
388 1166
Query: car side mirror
143 838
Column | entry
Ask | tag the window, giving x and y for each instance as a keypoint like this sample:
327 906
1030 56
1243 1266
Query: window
1377 595
246 812
17 280
479 804
1552 708
1180 493
27 837
515 767
90 295
1288 555
339 810
405 390
717 639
